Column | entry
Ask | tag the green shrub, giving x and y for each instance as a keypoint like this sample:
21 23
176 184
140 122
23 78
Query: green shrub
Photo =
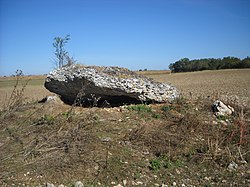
166 108
45 120
164 162
140 108
156 116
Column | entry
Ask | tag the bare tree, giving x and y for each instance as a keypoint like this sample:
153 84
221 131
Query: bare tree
60 52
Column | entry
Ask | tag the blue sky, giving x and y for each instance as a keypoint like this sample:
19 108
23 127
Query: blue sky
136 34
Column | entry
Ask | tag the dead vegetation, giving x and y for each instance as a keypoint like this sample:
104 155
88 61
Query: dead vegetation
181 142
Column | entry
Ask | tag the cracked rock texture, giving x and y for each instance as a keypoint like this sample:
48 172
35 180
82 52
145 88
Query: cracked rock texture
113 85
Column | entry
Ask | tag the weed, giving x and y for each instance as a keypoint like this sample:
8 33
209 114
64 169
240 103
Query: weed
66 114
164 162
17 95
181 100
207 185
156 116
223 118
140 108
155 164
166 108
240 128
45 120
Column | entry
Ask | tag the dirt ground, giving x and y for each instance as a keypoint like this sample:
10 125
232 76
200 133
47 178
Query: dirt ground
181 143
231 84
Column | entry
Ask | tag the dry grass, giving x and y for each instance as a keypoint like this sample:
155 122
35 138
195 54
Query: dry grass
109 145
181 142
34 90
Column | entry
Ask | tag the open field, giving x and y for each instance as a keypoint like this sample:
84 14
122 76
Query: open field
181 143
34 90
220 83
234 84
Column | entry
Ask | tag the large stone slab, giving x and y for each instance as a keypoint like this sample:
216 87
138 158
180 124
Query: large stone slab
113 85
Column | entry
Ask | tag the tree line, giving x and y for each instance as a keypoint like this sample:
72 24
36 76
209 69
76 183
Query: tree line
186 65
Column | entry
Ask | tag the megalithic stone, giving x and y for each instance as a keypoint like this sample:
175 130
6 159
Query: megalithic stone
114 85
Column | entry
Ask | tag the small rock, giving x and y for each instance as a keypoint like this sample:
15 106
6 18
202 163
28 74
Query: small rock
79 184
124 182
232 166
207 178
61 185
107 139
214 122
220 109
51 99
223 122
139 182
164 185
174 184
118 185
50 185
177 171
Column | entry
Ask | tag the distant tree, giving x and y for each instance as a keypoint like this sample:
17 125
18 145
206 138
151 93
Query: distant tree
186 65
229 62
245 63
62 56
171 67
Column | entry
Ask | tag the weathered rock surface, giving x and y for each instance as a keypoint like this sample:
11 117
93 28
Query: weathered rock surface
95 85
220 109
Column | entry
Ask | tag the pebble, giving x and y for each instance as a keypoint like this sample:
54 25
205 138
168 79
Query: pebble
118 185
79 184
232 166
50 185
177 171
124 182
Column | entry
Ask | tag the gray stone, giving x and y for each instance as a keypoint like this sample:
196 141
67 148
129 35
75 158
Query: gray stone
50 185
220 109
107 139
51 99
79 184
92 85
232 166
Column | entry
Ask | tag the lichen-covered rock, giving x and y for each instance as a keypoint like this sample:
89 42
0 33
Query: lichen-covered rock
113 85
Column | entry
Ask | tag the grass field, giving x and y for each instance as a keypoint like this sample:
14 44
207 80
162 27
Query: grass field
181 143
